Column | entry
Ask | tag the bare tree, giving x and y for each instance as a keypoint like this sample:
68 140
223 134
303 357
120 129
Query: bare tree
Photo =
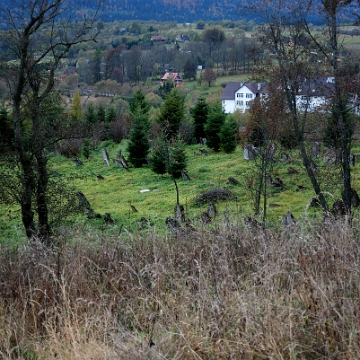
289 38
280 36
40 34
335 13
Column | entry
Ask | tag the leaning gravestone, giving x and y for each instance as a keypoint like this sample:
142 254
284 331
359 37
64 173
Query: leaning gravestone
332 156
105 156
250 152
315 150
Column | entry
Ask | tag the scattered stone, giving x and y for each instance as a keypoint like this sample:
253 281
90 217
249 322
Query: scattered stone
286 157
253 225
232 181
339 209
332 156
77 162
352 159
212 210
105 156
268 180
173 225
133 208
271 152
83 201
119 163
314 202
144 191
250 152
179 213
278 182
108 219
315 150
205 218
122 160
274 205
184 175
355 200
288 220
204 152
292 171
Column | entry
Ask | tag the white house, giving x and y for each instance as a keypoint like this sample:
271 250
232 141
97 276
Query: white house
315 93
238 96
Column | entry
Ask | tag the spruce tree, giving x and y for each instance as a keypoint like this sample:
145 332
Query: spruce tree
172 114
228 135
100 113
138 102
332 134
138 145
170 158
90 114
199 113
214 122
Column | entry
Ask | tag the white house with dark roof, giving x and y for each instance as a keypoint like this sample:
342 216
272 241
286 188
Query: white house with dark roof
239 96
315 94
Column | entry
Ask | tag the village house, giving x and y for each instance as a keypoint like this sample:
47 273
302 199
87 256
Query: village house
169 76
313 94
158 38
239 96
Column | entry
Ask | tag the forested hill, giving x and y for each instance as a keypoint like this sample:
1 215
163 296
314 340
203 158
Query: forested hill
171 10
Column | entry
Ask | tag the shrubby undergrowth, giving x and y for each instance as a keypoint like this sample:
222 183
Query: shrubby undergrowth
221 293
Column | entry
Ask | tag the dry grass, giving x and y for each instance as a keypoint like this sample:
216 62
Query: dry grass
224 293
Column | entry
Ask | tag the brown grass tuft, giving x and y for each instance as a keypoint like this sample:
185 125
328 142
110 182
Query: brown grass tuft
223 293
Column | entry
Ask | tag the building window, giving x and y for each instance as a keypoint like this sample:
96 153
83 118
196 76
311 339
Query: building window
249 96
247 103
240 95
240 103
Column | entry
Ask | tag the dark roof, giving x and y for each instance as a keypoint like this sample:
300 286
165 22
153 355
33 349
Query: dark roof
230 89
256 87
320 86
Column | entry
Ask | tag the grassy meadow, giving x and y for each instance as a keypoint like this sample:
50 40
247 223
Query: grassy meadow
120 189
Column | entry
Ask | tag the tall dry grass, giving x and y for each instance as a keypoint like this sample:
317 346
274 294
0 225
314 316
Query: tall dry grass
225 293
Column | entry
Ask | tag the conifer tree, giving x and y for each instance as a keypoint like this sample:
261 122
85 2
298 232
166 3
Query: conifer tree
90 114
172 114
199 113
138 145
100 113
214 122
228 135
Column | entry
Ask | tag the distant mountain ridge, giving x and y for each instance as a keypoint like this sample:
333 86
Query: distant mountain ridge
171 10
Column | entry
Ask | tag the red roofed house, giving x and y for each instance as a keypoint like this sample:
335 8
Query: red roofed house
175 77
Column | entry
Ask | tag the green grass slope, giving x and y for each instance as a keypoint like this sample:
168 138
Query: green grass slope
119 189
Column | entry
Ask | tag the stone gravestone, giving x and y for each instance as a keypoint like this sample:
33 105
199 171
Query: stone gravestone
352 159
250 152
105 156
332 156
315 150
288 220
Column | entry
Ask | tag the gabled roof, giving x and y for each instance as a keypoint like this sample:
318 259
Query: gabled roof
319 86
230 90
232 87
173 76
